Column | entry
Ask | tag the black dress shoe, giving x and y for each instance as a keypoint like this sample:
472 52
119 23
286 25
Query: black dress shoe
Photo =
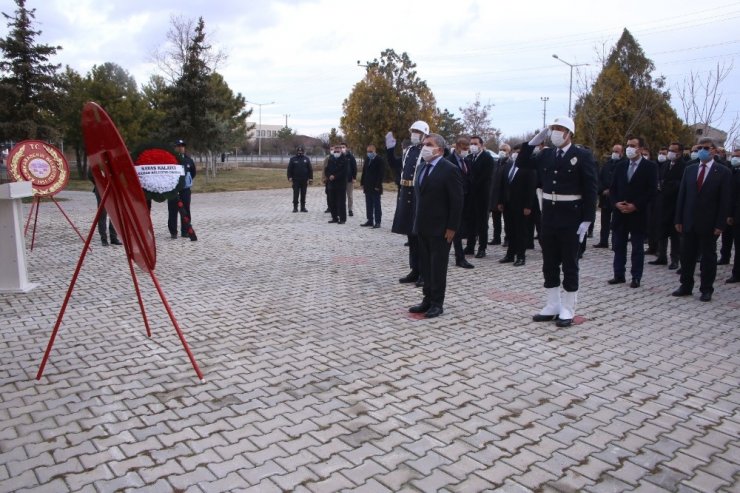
506 260
544 318
681 292
366 224
341 222
333 221
505 243
732 280
409 278
617 280
723 261
464 264
434 311
496 241
295 209
564 322
705 297
350 214
303 209
327 211
420 282
104 241
480 254
635 283
115 241
659 261
173 236
601 245
519 262
469 250
420 308
376 226
673 265
491 242
678 271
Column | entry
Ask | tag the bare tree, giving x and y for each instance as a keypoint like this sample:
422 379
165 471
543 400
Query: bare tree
702 97
476 119
171 57
733 133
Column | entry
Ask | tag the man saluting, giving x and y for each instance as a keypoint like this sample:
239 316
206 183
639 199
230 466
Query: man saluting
569 183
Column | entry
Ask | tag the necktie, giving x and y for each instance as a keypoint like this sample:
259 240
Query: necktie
511 173
560 154
700 179
633 167
464 166
424 173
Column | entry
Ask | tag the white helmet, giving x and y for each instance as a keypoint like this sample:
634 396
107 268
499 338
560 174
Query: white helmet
564 121
420 126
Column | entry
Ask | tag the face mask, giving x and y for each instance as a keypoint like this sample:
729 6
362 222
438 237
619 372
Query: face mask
514 155
557 137
631 153
371 155
336 154
672 156
415 139
735 161
464 154
694 155
474 148
536 151
662 158
615 156
427 153
704 155
502 154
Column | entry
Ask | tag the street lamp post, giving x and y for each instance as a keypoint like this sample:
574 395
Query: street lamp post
570 91
259 124
544 100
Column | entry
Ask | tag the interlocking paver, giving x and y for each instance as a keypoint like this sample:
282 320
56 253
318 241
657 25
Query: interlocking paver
318 380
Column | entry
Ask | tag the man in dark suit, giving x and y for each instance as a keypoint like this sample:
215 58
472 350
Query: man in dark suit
735 215
669 181
481 165
372 185
517 201
457 157
496 215
606 174
633 187
439 202
569 182
701 215
335 174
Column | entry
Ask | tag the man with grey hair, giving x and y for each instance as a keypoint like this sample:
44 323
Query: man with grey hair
702 210
439 202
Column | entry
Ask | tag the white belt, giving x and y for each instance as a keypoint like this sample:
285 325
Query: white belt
557 197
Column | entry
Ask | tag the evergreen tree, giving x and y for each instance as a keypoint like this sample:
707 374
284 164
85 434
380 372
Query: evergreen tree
29 85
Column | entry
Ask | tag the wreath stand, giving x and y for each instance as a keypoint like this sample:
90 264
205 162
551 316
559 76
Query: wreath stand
36 205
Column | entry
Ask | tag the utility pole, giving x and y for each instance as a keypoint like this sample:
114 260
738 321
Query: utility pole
570 89
286 120
544 100
259 126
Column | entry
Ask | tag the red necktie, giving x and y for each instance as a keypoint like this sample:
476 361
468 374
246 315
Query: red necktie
700 179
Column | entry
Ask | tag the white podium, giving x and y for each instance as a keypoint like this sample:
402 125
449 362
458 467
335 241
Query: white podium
13 273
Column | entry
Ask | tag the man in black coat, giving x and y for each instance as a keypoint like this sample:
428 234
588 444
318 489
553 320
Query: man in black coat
497 215
569 182
702 211
606 175
735 215
335 175
481 165
457 157
517 201
669 181
633 188
405 168
300 174
372 185
439 194
351 176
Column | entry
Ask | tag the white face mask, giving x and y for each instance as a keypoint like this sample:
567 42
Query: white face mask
672 156
502 154
514 155
427 153
631 153
474 148
336 154
735 161
557 137
662 158
464 154
694 155
415 138
616 156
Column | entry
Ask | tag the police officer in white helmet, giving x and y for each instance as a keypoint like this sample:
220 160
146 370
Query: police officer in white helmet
569 183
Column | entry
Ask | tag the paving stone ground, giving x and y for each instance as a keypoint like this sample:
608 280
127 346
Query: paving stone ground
318 379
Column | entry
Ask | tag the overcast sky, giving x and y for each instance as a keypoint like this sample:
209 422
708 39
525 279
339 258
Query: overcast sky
303 54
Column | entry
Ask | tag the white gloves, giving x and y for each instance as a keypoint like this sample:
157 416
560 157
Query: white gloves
540 137
583 229
390 142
